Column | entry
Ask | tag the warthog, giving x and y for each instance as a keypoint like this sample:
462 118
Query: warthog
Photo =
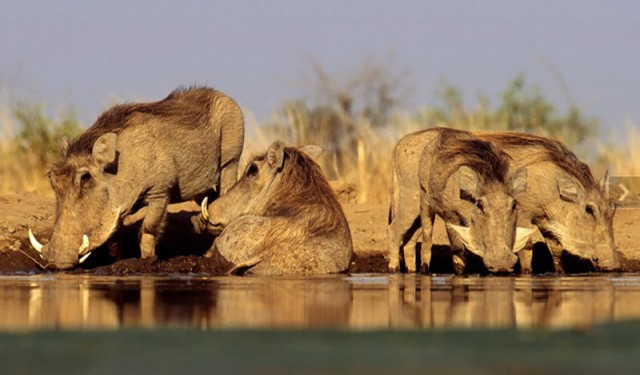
141 154
281 217
468 183
563 198
569 207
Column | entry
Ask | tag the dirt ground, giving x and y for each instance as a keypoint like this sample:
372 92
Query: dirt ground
180 248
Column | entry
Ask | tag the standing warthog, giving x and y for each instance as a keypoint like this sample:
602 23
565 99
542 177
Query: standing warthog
281 217
564 200
142 154
468 183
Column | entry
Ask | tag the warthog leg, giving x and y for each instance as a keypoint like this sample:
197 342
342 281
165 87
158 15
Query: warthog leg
152 226
241 268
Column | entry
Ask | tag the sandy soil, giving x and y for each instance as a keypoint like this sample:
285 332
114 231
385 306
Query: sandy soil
180 249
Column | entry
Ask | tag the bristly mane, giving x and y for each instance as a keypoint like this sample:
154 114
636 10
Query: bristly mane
546 150
303 190
458 148
184 107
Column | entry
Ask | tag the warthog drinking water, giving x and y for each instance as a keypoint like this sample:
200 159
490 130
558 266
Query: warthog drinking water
142 154
563 198
467 182
281 217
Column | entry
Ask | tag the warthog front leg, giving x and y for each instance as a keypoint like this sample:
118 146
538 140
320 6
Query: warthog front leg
427 218
403 233
228 177
525 258
457 251
268 246
243 239
556 252
152 226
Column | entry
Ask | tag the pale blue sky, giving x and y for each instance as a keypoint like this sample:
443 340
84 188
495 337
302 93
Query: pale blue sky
86 53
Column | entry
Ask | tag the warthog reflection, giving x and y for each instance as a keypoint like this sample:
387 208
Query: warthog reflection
357 302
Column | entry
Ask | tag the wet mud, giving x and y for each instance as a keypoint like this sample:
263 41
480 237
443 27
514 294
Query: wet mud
181 248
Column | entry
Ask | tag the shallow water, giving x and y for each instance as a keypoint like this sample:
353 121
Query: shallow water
361 301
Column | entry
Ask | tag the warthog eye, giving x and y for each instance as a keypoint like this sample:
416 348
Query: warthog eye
85 180
591 210
480 204
252 171
514 205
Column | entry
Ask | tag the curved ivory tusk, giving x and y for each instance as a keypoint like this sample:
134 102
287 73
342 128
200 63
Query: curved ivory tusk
34 242
523 238
84 257
85 245
464 234
203 208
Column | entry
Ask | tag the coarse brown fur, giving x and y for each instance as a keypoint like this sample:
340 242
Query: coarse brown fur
282 217
456 148
541 149
185 106
303 188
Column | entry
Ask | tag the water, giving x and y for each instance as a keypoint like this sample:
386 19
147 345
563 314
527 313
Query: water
358 302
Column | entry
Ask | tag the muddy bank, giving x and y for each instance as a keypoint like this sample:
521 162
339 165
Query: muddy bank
180 249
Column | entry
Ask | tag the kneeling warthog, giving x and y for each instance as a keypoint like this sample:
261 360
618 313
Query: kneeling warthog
469 183
281 217
142 154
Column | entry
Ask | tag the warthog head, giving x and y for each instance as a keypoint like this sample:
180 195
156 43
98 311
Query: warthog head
85 211
490 230
257 190
581 221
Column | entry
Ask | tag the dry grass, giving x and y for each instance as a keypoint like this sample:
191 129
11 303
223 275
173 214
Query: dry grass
19 172
621 154
365 162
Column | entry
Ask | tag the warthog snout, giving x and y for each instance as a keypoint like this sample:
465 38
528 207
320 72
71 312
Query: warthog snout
607 264
204 213
53 264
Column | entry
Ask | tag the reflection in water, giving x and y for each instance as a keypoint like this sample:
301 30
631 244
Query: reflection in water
348 302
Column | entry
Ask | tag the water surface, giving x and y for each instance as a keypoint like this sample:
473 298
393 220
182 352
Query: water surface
360 302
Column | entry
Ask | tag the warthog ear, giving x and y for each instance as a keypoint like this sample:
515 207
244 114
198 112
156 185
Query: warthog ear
519 181
468 183
568 189
275 155
64 146
312 150
104 150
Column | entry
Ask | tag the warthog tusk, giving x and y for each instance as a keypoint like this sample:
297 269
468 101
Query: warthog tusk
34 242
523 238
203 208
464 234
84 257
85 245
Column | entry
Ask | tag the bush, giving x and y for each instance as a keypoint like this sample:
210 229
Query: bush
28 154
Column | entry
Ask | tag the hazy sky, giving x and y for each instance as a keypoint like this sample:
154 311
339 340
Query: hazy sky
88 53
